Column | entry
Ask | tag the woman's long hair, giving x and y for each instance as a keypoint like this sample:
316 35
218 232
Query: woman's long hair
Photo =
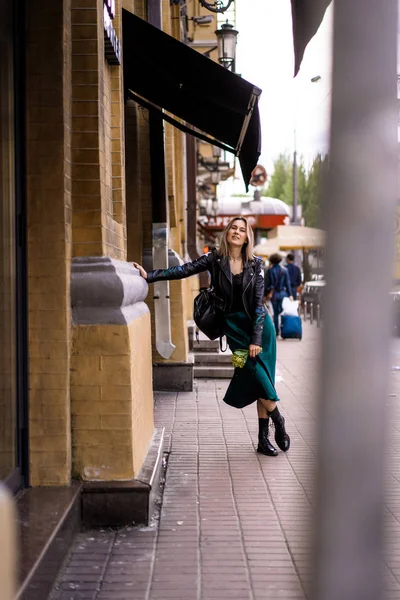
247 250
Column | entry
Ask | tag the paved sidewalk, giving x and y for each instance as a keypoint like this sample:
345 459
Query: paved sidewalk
234 524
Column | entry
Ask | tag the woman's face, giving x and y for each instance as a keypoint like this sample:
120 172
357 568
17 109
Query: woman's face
237 235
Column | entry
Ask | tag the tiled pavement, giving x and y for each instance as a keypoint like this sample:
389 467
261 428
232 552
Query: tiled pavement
234 524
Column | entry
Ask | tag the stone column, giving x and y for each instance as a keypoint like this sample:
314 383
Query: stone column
48 150
111 370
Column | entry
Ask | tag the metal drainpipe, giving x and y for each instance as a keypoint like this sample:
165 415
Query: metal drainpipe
191 169
162 314
359 209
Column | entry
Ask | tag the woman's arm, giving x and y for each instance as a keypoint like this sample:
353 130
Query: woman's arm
258 304
179 272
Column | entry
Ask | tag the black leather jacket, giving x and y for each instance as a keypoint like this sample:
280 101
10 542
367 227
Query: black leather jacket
221 281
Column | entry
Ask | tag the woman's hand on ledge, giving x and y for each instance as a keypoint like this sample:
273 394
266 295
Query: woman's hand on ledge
141 270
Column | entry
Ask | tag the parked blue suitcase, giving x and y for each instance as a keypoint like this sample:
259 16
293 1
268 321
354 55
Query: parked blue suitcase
291 327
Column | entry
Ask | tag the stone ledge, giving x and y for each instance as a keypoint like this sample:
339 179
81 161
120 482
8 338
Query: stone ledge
173 376
105 291
119 503
48 519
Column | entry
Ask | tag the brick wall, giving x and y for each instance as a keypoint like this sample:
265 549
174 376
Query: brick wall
138 173
129 5
139 210
145 177
170 173
49 237
7 250
176 205
133 184
98 167
112 400
166 16
76 206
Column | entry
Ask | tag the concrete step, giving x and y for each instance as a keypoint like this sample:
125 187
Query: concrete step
204 345
212 358
211 372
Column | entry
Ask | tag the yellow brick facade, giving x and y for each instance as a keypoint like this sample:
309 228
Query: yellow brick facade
77 208
89 195
49 240
181 304
112 400
98 167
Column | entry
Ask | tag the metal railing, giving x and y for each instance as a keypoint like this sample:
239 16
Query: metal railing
307 311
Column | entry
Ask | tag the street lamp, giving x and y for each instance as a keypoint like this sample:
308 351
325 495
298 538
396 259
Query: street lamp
226 40
294 207
215 176
214 167
203 206
218 6
295 220
217 152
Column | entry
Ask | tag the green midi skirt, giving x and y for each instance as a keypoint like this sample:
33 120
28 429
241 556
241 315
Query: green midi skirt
257 378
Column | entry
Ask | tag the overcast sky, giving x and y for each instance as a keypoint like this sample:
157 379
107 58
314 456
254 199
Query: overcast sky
265 57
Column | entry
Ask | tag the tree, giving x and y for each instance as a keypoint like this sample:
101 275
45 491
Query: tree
309 185
277 185
312 200
301 184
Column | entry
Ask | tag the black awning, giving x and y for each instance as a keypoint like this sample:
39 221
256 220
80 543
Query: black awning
307 16
214 104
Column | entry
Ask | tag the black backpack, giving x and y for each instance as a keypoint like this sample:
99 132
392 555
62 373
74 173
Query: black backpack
208 313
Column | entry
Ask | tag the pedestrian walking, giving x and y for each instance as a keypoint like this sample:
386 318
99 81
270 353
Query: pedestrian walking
277 286
237 278
294 274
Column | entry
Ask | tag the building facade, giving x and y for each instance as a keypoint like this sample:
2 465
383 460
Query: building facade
93 177
76 381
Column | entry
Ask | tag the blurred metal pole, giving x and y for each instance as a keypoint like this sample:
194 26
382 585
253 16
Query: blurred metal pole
7 546
318 315
359 210
295 211
311 313
305 312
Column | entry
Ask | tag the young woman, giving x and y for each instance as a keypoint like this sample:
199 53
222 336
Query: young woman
238 278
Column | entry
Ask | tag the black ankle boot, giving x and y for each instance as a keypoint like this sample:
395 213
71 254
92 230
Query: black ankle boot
281 437
264 445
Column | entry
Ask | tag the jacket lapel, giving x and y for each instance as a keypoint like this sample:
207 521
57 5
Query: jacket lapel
248 274
226 268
